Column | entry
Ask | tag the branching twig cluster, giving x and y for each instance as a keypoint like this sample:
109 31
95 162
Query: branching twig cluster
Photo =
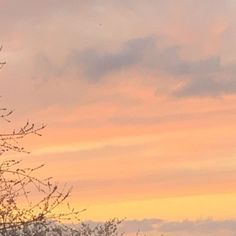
17 210
10 141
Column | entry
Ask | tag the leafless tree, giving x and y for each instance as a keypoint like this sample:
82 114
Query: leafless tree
19 185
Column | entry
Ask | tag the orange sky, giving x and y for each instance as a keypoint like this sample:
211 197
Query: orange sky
139 101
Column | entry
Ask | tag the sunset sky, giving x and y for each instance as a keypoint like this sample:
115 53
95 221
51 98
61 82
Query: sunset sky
139 98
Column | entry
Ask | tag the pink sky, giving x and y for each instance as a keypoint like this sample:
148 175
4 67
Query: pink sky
139 99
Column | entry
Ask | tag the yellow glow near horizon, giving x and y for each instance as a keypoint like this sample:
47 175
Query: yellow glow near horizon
219 206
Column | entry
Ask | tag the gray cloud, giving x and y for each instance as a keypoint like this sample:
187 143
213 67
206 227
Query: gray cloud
221 81
141 52
205 77
98 64
206 86
198 227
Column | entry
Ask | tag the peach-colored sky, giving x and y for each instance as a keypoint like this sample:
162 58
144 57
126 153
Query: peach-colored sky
139 98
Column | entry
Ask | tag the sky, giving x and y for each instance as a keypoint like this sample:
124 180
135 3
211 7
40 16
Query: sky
139 98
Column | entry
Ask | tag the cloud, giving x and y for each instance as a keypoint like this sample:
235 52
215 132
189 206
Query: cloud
143 52
97 64
184 76
202 77
198 227
205 86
